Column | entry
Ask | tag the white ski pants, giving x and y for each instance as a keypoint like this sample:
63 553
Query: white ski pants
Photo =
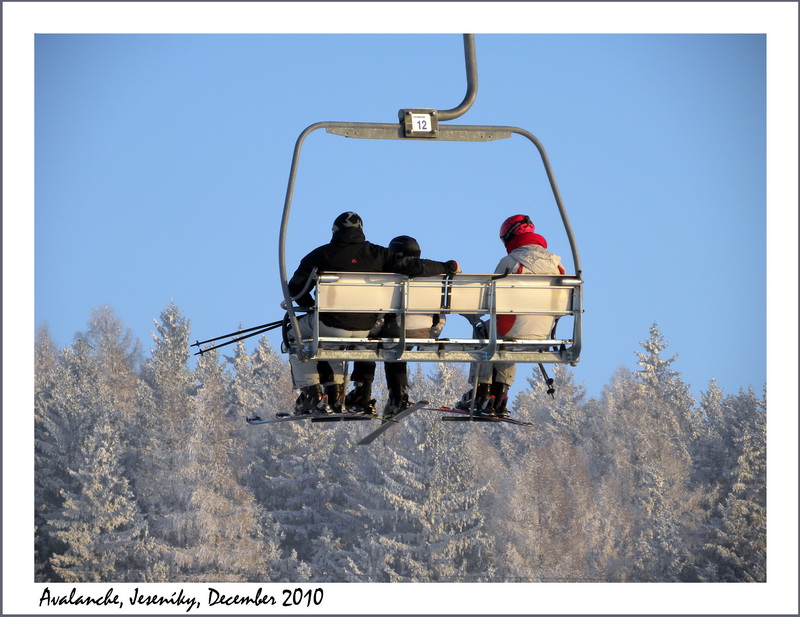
493 372
498 372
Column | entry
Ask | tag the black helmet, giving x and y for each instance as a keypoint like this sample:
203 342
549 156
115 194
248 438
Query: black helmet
406 245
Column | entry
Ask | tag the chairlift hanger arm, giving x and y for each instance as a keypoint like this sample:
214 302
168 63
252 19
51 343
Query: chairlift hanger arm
471 133
471 64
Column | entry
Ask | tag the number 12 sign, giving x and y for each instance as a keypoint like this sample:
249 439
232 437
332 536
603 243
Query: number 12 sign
421 123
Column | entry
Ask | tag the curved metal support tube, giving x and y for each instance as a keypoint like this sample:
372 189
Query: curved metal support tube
312 279
287 297
556 193
472 82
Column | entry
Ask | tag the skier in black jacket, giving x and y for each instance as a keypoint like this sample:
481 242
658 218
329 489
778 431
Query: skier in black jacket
348 251
416 326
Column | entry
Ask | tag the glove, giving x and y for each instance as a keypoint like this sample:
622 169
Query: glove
472 319
375 331
452 267
438 325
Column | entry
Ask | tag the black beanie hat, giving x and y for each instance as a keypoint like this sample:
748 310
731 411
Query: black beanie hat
345 220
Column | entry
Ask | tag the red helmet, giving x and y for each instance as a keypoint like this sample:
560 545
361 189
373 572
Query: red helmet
515 225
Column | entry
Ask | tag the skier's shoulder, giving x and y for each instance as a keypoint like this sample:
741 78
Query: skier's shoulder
535 251
375 248
534 259
319 253
531 249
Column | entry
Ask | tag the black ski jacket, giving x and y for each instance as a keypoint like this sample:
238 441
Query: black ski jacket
348 251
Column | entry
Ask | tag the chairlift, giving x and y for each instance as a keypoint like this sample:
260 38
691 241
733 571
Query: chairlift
475 296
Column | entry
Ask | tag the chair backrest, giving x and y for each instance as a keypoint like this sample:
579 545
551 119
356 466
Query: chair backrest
462 294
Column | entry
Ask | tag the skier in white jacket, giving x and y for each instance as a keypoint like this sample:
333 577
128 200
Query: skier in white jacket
527 254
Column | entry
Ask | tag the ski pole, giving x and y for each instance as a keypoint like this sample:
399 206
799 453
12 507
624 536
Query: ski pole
549 381
236 340
240 338
273 324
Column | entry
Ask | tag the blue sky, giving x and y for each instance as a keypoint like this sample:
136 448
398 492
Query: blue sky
161 161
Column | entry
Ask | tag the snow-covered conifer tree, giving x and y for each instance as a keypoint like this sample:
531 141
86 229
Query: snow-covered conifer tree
70 399
544 490
714 439
46 485
220 523
161 427
656 374
736 550
277 473
99 523
433 526
118 355
167 371
662 430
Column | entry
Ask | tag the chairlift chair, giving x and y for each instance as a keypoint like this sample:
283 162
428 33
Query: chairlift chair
471 295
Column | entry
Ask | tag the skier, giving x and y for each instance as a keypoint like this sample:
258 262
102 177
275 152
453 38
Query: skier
417 326
348 251
527 254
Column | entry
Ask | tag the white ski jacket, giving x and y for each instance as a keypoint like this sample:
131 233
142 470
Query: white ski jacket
527 259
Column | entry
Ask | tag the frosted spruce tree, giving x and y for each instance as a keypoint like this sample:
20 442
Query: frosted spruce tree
262 381
736 549
333 483
162 428
661 380
293 481
220 523
543 485
716 430
46 485
668 509
99 523
118 353
70 398
262 386
432 528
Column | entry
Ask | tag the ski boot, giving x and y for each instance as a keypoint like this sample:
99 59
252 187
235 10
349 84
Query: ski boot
311 402
483 400
335 394
398 401
359 400
499 392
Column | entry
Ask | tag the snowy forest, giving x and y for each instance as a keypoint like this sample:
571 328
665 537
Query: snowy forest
146 471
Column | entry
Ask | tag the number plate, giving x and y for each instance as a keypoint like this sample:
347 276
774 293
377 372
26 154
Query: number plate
420 123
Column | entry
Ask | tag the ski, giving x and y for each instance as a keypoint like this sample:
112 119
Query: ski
462 415
329 417
390 421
